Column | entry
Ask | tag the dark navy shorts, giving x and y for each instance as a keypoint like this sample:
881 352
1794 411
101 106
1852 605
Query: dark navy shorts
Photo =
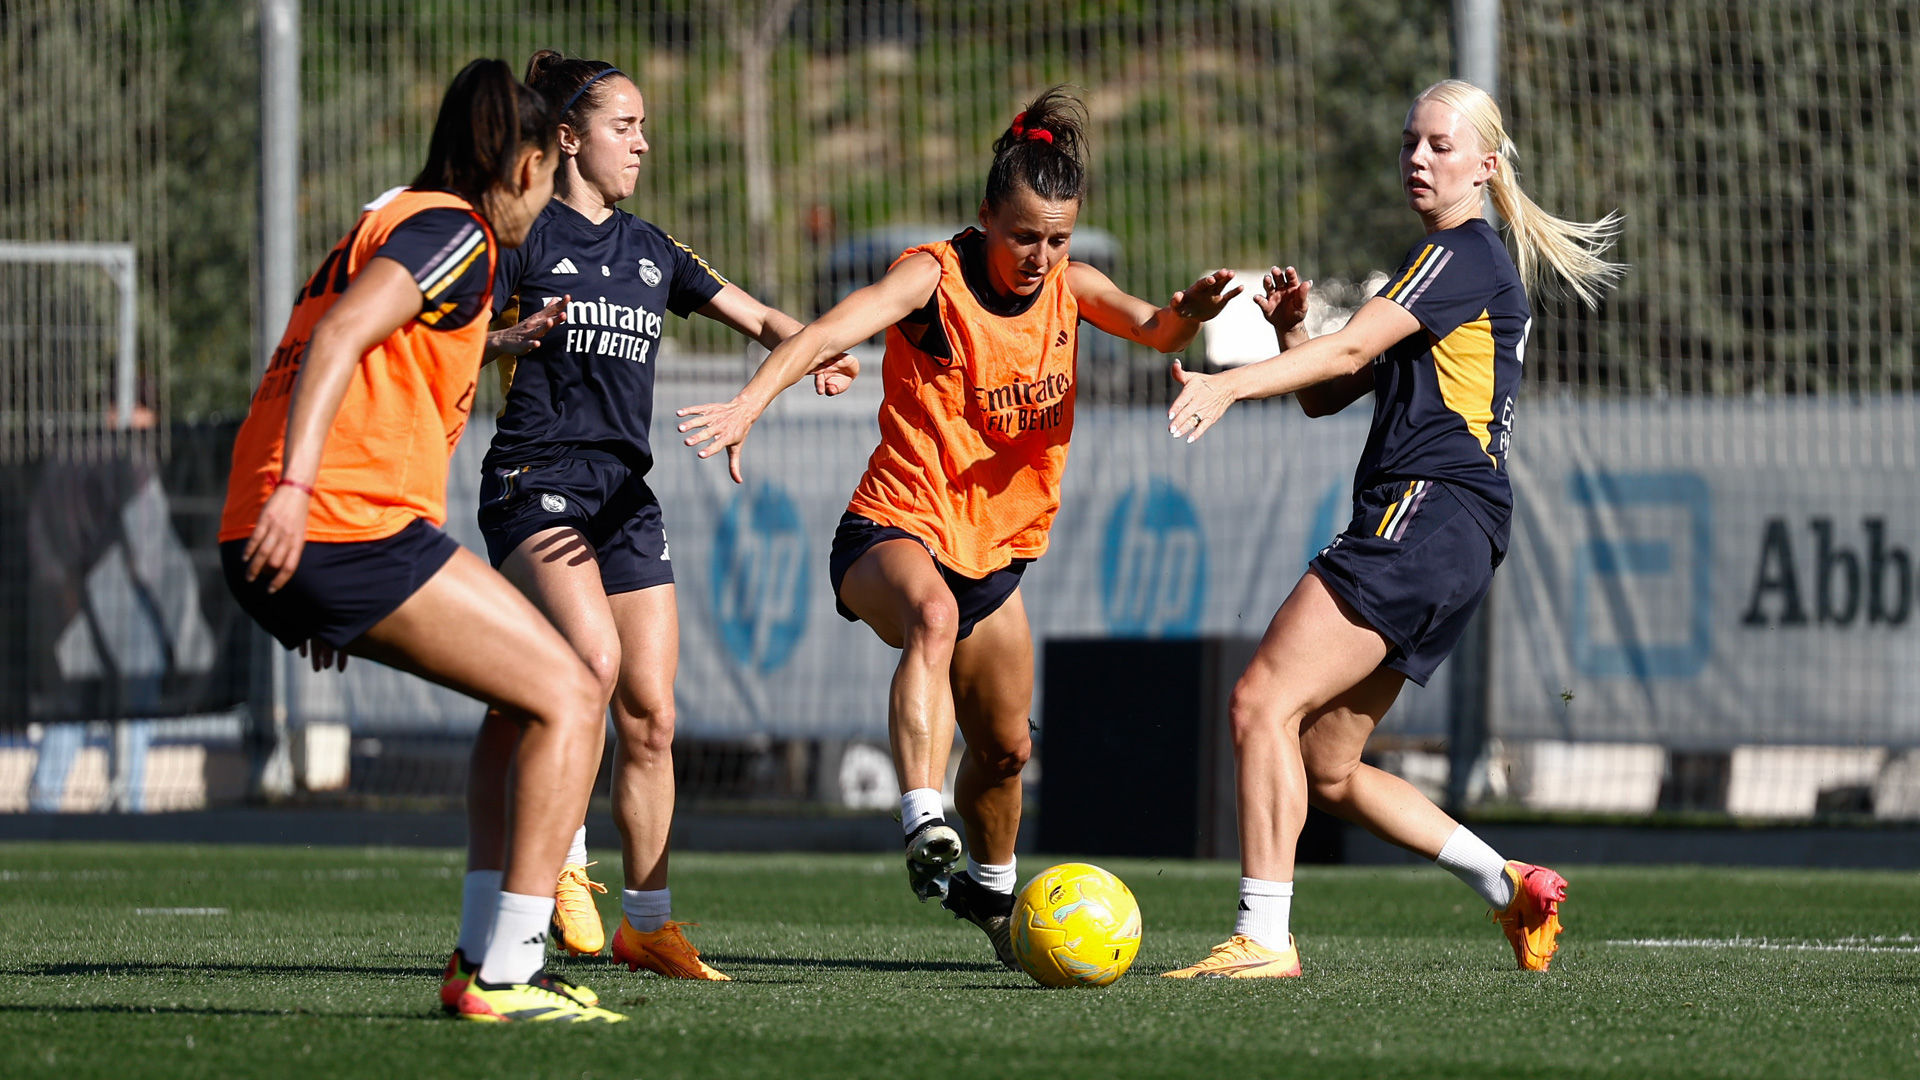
977 598
606 501
1415 564
339 591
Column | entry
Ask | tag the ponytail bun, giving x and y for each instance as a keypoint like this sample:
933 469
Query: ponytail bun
1042 150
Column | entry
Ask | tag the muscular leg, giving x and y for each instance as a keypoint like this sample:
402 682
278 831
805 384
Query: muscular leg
649 626
471 631
556 569
992 679
489 773
897 590
1316 649
1331 741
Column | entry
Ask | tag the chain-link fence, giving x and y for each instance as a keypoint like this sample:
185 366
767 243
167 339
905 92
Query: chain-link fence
1712 584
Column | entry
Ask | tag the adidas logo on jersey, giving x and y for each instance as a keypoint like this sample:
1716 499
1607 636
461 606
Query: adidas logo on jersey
564 266
1061 340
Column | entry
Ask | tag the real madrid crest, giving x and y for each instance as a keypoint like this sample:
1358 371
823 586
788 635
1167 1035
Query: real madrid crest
649 273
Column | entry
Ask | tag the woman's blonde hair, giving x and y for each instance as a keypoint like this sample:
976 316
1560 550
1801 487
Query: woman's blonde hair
1571 250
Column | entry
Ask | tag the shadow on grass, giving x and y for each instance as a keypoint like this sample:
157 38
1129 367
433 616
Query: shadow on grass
211 1010
188 968
720 960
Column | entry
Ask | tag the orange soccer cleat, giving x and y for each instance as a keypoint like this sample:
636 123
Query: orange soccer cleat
1241 957
665 951
576 922
1532 918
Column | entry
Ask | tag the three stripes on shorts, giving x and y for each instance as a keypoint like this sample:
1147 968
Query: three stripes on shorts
1393 524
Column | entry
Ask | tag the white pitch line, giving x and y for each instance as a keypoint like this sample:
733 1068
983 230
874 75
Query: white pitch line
179 911
1903 943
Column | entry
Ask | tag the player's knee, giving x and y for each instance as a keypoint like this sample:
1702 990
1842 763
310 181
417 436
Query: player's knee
935 621
1248 712
1003 759
646 726
1257 711
573 700
604 666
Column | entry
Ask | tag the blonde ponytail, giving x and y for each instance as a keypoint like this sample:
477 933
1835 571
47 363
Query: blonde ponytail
1547 246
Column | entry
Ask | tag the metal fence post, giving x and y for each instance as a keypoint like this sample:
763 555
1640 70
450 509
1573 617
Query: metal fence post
270 761
1476 48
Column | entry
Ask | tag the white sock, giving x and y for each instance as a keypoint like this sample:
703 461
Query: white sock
577 854
479 899
1468 858
1265 909
518 946
998 878
919 806
646 909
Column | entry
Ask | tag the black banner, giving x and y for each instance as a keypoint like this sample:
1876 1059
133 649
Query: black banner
111 598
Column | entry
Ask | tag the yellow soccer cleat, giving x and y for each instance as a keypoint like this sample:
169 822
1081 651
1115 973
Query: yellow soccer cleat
460 973
542 999
1241 957
576 922
1532 918
665 951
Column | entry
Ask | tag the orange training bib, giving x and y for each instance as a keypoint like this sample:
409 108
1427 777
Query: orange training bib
973 443
386 457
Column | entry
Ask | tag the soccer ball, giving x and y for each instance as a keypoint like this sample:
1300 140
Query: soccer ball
1075 925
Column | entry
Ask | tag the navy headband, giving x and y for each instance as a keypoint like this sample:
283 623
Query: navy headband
586 86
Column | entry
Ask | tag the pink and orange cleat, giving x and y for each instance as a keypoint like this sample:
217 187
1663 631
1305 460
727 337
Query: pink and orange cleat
1532 919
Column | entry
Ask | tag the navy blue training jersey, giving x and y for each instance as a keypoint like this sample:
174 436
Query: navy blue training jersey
1443 396
587 390
445 251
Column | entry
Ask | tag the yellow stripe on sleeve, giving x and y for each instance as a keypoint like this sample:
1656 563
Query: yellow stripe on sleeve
1393 293
453 275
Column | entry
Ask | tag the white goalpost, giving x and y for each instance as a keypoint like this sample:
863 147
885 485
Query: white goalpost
38 402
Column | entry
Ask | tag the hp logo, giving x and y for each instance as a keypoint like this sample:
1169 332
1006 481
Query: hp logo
759 578
1154 563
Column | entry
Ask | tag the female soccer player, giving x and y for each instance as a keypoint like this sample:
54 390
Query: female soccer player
957 499
565 507
331 540
1440 347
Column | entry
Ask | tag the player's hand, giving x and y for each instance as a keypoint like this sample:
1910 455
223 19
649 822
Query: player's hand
279 537
323 655
720 424
1202 401
1205 297
521 338
836 375
1284 301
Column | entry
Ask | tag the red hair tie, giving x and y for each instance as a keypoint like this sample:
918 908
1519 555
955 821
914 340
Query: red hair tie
1020 130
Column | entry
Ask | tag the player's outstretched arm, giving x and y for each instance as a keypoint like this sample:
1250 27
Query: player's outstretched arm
737 309
381 300
1284 303
724 424
1203 398
1165 329
520 338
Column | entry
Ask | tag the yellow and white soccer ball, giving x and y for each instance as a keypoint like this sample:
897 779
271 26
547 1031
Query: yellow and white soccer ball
1075 925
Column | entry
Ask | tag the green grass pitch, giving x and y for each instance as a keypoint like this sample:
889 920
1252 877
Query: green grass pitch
324 962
